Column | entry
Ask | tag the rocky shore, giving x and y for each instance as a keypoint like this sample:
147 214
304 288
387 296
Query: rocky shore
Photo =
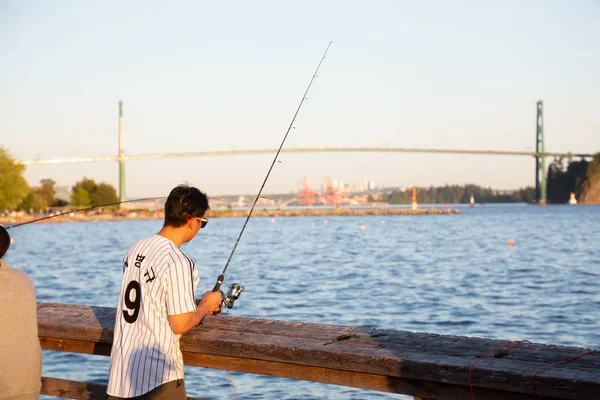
272 213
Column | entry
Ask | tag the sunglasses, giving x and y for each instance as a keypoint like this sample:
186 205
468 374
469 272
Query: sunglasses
203 222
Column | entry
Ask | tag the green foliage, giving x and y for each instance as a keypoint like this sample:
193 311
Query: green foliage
46 191
33 202
97 194
104 194
525 195
13 187
563 180
80 198
454 194
40 198
576 177
86 184
593 172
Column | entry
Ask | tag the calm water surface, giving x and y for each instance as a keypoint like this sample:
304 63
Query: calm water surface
450 274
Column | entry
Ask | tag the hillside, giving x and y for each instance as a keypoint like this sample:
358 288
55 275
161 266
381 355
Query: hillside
591 194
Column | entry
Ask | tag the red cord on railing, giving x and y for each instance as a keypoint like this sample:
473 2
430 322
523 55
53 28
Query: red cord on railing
507 345
556 365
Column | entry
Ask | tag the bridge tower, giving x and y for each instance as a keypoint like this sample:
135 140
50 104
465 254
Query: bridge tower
540 161
121 155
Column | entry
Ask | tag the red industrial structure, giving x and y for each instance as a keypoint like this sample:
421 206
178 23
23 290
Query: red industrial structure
331 196
306 196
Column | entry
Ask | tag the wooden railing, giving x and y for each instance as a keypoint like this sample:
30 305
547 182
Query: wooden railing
426 366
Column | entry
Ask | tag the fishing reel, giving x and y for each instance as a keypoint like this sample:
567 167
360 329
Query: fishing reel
234 292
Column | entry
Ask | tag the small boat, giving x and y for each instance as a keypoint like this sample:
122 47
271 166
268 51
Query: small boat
472 201
572 200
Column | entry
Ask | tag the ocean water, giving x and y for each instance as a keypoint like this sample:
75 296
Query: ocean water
451 274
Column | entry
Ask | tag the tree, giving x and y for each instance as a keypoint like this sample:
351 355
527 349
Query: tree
556 182
40 198
562 181
13 187
86 184
97 194
104 194
526 195
80 198
593 172
46 190
33 202
458 194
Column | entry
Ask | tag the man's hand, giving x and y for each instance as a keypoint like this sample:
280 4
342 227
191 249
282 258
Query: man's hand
210 303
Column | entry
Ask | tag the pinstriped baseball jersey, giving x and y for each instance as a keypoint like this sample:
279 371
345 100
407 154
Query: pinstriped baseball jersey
158 280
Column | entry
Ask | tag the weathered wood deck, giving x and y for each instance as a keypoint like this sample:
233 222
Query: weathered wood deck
424 365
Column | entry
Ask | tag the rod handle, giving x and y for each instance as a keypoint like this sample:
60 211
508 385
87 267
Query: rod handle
217 287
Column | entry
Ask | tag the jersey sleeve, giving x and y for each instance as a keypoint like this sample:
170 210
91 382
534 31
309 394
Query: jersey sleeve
180 287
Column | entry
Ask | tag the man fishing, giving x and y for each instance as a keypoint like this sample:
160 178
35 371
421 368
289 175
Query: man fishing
157 304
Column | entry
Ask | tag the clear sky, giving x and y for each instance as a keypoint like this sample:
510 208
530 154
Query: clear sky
202 75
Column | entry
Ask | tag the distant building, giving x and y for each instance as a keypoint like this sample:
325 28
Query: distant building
369 185
241 201
63 193
151 205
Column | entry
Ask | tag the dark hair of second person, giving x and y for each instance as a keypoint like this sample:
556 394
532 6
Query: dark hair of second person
184 202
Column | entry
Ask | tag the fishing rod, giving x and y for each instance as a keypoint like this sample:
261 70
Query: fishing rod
236 289
82 210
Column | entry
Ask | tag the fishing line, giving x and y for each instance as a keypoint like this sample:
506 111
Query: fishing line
81 210
220 279
236 289
222 276
234 390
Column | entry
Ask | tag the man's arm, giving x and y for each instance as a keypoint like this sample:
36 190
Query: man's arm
181 323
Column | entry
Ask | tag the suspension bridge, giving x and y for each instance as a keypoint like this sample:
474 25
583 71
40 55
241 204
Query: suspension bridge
121 157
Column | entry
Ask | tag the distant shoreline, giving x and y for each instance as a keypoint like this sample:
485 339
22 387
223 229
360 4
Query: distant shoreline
146 215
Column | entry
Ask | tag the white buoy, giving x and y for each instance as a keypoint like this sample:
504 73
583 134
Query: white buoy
572 200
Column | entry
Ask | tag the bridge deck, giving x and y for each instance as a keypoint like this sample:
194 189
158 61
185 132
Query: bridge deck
303 150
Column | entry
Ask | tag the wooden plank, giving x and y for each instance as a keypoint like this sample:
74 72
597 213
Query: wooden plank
491 373
393 354
315 374
71 321
67 389
72 389
85 323
432 390
75 346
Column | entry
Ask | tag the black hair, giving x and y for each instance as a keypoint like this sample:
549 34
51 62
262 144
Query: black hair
4 241
184 202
